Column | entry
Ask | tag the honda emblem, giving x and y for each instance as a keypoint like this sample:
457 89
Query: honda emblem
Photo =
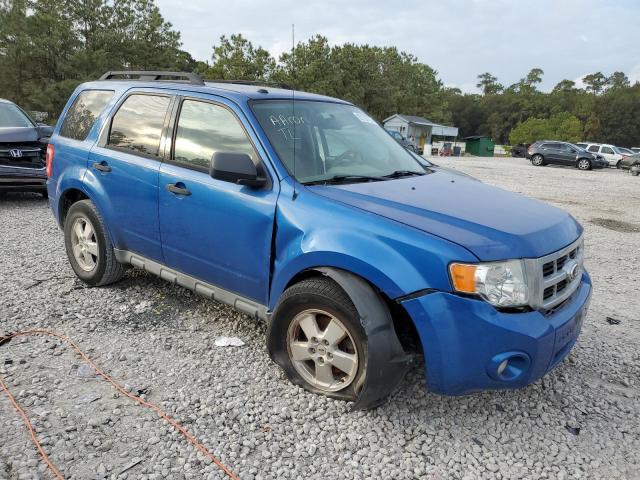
15 153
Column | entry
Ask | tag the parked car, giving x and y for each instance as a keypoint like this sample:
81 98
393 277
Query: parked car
22 150
402 140
519 150
629 161
545 152
357 255
635 149
609 152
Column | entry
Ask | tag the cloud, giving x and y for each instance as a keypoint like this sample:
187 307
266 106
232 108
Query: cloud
459 38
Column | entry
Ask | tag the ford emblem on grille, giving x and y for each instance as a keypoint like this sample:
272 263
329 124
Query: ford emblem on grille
15 153
574 271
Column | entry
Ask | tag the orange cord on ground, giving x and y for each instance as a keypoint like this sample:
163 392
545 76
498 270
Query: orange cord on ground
39 331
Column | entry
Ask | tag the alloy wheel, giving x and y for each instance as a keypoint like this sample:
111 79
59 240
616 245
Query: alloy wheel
322 350
84 244
584 164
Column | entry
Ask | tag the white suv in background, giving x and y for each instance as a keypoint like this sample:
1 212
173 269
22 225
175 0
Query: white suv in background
609 152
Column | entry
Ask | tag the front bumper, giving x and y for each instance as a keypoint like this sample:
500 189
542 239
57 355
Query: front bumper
465 340
22 179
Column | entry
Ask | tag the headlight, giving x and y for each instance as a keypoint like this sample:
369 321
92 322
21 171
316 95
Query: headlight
502 284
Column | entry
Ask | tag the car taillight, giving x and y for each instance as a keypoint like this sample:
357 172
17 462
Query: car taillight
51 151
530 150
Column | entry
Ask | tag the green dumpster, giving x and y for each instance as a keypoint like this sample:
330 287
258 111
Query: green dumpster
479 146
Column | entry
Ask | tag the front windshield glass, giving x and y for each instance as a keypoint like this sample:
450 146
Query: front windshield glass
12 116
332 141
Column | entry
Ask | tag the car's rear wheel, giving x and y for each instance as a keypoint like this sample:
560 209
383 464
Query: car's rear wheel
537 160
318 327
584 164
88 246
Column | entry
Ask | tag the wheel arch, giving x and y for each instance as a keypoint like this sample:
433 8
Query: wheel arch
402 322
387 360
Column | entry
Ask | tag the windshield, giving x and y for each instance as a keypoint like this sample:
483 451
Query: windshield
579 147
623 151
12 116
332 141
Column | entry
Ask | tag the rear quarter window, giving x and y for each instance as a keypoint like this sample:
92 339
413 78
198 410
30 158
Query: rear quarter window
83 113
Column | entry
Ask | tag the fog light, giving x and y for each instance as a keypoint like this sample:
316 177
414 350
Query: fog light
509 366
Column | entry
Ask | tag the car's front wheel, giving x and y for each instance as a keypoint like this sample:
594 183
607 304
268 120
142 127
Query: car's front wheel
619 164
584 164
537 160
317 330
88 246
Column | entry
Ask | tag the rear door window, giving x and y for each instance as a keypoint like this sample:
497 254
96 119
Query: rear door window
593 148
206 128
137 126
83 113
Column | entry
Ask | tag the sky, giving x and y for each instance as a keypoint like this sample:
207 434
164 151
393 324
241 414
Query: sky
459 38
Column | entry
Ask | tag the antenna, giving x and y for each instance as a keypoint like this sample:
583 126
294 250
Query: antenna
293 103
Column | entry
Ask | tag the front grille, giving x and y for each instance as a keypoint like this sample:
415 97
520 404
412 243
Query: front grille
556 276
31 155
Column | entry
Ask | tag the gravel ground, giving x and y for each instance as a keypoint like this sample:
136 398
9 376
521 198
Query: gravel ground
581 421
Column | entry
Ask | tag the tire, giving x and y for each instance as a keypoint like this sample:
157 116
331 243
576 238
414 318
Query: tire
45 194
94 261
308 355
537 160
584 164
619 164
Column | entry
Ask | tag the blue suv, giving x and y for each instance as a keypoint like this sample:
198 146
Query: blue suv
300 210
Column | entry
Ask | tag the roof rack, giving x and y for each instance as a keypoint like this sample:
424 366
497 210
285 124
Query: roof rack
154 76
256 83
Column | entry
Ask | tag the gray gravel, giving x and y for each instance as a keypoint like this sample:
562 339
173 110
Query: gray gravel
581 421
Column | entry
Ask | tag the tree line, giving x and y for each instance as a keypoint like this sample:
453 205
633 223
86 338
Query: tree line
48 47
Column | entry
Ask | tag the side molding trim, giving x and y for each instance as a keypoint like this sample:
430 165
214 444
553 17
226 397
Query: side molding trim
242 304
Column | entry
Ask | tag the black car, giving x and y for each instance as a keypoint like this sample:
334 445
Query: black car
519 150
23 144
545 152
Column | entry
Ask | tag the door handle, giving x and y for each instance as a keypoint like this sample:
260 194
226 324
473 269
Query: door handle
102 166
178 189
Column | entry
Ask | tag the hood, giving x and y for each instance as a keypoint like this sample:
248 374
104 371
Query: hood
18 134
492 223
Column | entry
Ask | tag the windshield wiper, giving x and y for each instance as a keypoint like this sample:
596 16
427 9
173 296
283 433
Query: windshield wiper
344 179
403 173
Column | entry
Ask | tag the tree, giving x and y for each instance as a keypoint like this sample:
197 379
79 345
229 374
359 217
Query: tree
595 83
618 80
236 58
564 86
489 84
563 126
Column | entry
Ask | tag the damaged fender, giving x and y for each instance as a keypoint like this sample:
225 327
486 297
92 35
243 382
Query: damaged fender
386 361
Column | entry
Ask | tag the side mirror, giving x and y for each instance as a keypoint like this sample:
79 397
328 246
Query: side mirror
44 130
236 168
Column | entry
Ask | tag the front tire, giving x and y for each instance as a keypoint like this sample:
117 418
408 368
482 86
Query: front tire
88 246
537 160
584 164
316 332
619 164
